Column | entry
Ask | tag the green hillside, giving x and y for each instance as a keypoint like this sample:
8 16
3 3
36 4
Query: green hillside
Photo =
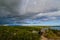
25 33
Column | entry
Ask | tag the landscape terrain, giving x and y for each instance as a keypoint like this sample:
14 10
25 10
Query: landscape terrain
28 33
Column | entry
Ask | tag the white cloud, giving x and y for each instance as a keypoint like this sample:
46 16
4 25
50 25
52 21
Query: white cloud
57 13
53 18
43 5
46 7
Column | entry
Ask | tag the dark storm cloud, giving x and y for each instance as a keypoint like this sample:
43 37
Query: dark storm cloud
23 7
21 10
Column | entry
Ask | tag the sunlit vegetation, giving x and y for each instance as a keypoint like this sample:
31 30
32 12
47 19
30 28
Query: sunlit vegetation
25 33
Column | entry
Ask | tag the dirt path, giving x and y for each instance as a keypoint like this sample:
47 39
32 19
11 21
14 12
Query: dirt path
43 38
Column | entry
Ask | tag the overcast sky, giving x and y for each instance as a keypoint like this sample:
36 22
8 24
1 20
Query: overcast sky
42 12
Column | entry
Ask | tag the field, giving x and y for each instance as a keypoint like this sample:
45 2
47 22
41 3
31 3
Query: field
27 33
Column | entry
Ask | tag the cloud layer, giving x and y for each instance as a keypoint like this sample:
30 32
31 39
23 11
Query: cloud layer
30 11
26 6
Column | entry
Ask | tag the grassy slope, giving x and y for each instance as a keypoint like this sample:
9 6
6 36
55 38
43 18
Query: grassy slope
24 33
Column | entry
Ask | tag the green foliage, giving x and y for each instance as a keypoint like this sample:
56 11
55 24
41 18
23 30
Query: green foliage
25 33
17 33
52 33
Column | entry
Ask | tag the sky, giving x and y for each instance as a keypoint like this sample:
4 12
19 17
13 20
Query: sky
30 12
